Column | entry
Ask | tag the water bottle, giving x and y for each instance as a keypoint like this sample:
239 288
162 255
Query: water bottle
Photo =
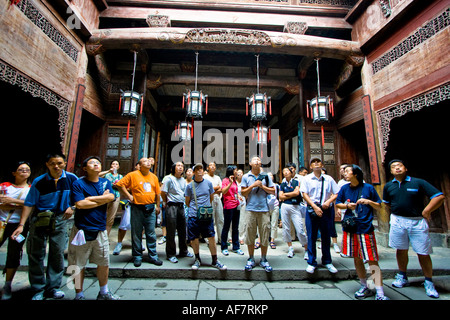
353 211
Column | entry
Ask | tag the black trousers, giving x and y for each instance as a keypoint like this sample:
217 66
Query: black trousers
175 222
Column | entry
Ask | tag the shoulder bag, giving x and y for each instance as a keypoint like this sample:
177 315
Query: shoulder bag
204 213
349 222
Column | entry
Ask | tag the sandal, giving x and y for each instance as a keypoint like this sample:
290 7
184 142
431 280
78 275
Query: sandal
272 245
257 245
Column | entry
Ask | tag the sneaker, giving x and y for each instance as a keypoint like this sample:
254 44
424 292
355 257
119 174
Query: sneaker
430 289
291 252
219 265
336 248
117 249
55 294
400 281
363 293
331 268
6 293
265 264
173 259
38 296
80 298
156 261
225 252
137 261
107 296
196 265
310 268
383 297
250 264
162 240
239 251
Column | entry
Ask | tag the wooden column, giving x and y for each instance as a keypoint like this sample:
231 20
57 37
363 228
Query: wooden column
75 128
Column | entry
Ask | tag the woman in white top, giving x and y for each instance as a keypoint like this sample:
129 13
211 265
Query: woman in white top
11 203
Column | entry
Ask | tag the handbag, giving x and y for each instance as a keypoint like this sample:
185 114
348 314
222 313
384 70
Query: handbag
349 222
310 209
204 213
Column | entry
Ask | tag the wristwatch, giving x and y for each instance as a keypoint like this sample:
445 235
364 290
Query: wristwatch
73 208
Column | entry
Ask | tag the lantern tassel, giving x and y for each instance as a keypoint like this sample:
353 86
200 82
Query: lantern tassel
307 110
332 108
270 106
182 106
192 129
128 130
120 103
323 136
206 108
268 133
142 104
246 107
183 153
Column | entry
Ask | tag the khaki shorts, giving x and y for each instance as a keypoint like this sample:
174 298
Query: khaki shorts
96 251
258 224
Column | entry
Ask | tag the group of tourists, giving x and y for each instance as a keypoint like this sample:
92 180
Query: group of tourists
197 205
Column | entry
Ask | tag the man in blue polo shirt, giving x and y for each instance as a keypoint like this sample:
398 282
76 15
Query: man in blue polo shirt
50 195
91 194
405 197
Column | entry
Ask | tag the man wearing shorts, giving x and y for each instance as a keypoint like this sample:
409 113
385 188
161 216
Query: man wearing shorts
255 187
405 197
203 197
361 245
89 237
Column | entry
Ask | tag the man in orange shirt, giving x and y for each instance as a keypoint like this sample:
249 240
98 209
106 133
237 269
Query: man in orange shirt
145 201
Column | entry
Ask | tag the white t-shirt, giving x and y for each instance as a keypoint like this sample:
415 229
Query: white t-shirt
215 180
13 192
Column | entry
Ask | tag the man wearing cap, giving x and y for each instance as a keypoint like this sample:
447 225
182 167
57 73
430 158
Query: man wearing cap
319 190
200 193
255 186
405 196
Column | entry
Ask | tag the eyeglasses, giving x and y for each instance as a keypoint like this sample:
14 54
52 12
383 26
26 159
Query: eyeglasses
24 170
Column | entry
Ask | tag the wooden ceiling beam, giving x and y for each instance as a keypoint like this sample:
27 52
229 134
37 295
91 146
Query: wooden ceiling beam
220 39
240 19
155 81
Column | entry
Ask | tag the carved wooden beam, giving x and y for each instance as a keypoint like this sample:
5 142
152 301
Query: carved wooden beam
155 80
221 39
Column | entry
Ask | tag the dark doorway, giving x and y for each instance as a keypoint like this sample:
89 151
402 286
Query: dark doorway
30 130
421 139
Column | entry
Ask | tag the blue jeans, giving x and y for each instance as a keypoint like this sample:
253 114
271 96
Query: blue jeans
141 219
50 280
313 225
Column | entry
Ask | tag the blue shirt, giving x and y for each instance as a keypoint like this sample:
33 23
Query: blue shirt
290 186
364 212
203 191
45 195
90 219
257 198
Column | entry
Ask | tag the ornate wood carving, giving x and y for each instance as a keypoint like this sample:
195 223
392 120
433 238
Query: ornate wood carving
32 13
246 37
158 21
419 36
385 7
37 90
417 103
295 27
